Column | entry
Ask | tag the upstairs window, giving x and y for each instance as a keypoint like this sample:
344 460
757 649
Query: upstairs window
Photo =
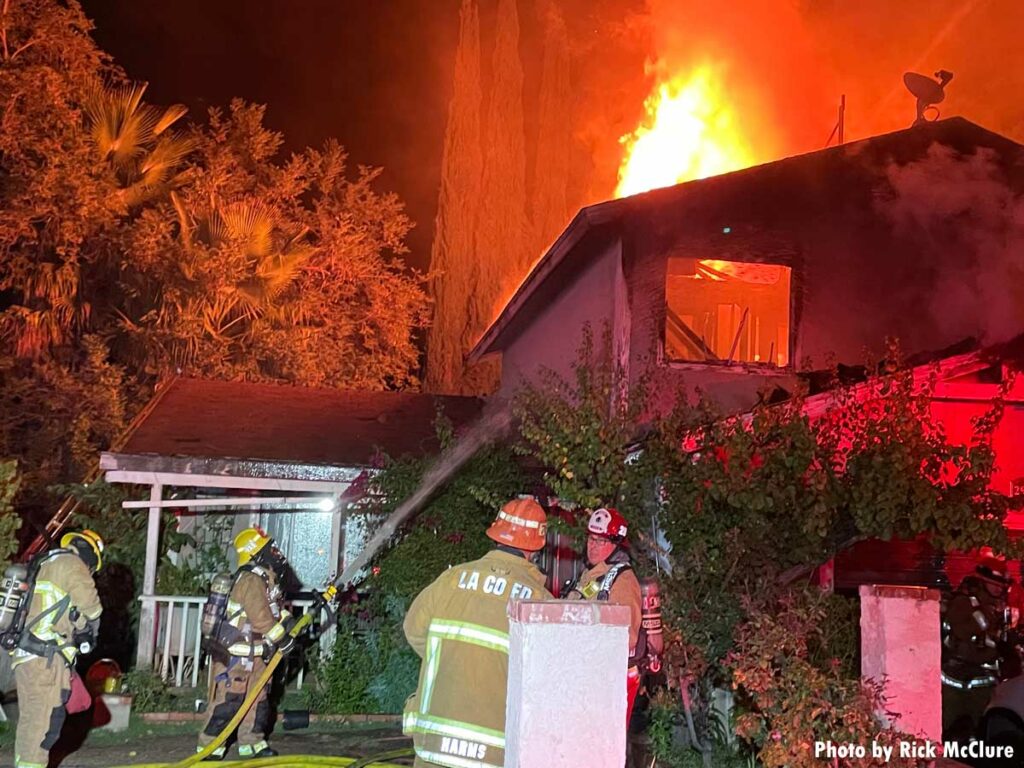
727 311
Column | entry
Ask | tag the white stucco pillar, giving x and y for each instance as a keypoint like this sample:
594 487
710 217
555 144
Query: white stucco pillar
901 643
566 704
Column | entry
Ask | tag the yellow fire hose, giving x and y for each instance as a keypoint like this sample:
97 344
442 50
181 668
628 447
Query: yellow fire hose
280 761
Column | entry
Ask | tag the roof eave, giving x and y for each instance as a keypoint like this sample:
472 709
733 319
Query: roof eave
256 469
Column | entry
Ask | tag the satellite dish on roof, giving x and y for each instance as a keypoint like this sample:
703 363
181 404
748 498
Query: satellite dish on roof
928 92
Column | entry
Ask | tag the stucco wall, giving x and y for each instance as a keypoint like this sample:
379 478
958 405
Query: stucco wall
581 721
553 336
901 647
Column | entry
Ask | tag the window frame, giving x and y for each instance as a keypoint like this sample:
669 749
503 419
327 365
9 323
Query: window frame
737 366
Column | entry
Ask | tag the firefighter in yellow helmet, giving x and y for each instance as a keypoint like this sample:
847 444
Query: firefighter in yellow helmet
459 627
62 618
253 626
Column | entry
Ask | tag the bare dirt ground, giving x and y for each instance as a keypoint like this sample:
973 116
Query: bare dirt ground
145 743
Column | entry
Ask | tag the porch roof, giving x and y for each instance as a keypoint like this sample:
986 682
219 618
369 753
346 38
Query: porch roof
202 426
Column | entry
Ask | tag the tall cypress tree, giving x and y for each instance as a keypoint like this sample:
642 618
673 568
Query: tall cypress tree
551 209
454 256
503 230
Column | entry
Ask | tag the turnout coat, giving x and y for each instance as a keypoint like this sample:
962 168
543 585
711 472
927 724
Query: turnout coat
459 627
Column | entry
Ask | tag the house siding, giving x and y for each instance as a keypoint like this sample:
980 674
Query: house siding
553 337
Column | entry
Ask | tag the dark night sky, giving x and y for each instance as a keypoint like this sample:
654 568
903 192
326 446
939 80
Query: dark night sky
375 74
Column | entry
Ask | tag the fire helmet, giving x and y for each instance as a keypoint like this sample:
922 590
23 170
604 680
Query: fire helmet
88 544
993 569
608 523
250 543
521 523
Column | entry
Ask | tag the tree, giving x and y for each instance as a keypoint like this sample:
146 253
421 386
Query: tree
503 230
455 261
550 200
263 270
54 223
131 246
56 417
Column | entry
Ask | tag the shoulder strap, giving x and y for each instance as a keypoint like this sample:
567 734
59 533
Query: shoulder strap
609 579
258 570
58 608
248 568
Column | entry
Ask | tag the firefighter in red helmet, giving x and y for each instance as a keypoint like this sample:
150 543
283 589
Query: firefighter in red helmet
459 627
609 576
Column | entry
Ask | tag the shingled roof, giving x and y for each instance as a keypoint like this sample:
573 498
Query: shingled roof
200 418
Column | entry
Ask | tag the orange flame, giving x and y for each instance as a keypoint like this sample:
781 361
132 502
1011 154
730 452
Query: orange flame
690 132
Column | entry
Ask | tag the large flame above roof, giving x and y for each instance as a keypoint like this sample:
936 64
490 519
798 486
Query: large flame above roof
690 131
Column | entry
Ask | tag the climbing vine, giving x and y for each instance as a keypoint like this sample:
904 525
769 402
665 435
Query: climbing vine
747 505
371 667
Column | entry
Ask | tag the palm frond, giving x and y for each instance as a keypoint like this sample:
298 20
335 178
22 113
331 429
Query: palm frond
171 115
277 272
121 123
249 224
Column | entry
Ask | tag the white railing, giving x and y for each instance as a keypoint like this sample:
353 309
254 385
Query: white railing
176 639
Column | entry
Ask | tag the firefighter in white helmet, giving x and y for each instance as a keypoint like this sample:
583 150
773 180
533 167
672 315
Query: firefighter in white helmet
609 576
459 627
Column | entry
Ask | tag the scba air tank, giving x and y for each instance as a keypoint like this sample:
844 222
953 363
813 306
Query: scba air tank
216 603
13 591
650 620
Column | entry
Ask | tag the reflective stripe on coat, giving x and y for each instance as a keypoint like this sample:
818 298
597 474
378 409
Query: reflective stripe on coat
459 627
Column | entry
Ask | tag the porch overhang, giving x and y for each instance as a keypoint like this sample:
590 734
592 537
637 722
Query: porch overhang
208 472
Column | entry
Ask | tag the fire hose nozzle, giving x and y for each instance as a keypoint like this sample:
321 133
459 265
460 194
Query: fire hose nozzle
325 601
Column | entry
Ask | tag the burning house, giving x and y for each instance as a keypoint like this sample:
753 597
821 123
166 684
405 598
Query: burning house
740 283
734 284
731 283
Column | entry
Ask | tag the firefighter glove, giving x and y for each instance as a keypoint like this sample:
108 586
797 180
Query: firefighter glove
85 638
285 647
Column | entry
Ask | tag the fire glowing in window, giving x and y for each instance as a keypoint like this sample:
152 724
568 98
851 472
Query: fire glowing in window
727 311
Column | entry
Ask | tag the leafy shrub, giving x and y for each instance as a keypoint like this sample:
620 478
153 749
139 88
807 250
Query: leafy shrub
451 528
791 694
10 481
747 504
148 690
399 668
666 721
371 668
340 679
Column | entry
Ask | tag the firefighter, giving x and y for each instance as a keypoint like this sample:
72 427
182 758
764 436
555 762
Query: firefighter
974 627
459 627
63 618
253 627
609 576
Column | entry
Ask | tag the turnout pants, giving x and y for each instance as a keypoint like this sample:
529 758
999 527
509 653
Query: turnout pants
632 688
228 689
44 687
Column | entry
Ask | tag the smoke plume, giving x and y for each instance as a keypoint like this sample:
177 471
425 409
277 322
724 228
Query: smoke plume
971 224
